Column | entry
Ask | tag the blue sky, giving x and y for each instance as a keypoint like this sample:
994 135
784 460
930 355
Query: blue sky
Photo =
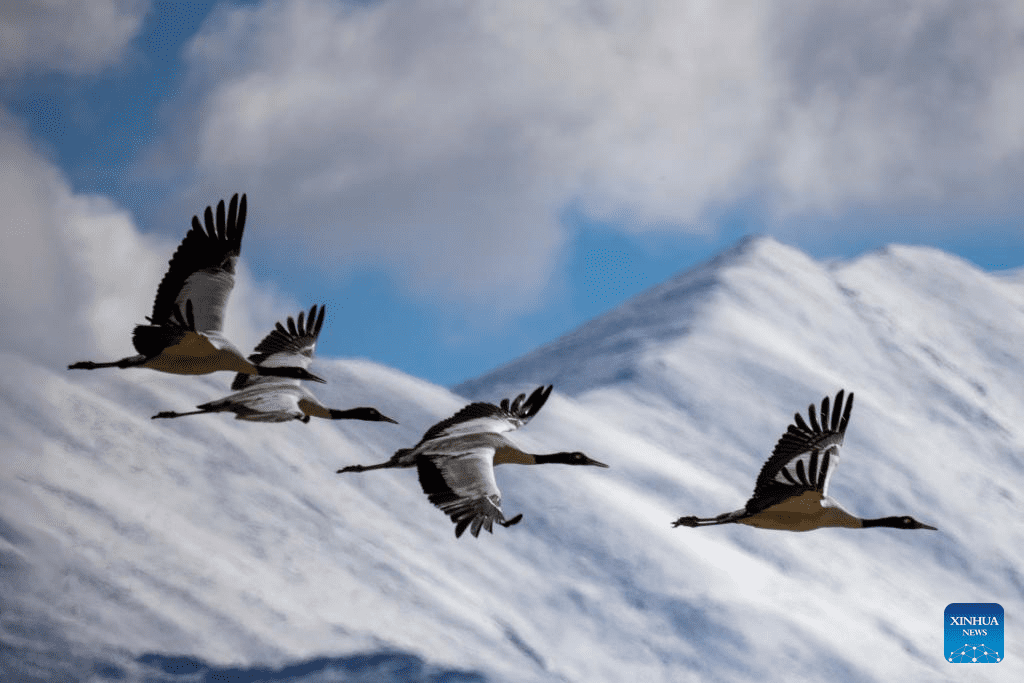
463 184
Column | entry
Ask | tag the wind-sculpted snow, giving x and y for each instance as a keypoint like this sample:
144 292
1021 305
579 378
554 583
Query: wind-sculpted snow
236 547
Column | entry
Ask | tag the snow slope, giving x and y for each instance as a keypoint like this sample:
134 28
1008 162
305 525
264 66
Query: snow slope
127 544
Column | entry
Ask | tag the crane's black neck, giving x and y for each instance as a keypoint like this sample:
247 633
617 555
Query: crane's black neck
901 522
882 521
564 458
368 414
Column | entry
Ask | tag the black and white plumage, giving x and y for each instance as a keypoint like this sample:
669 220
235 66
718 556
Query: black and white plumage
184 334
791 492
280 399
456 459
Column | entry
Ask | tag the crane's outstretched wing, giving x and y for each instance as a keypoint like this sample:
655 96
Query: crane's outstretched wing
805 457
487 417
462 485
293 346
202 269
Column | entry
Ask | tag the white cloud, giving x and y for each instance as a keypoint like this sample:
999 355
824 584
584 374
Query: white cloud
73 36
442 141
76 273
38 304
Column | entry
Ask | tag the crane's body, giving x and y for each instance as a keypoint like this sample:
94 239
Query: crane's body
791 492
456 458
185 332
280 399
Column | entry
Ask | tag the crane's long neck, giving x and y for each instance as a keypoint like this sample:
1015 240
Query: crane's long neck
510 454
563 457
894 522
369 414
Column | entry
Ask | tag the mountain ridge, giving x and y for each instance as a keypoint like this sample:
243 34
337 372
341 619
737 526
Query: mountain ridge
683 288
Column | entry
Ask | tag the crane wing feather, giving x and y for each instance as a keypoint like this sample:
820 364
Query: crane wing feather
487 417
203 267
285 347
462 485
805 456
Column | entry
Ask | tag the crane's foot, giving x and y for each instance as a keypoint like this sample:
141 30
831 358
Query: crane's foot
512 522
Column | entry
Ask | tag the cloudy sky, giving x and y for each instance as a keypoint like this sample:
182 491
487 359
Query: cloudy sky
462 181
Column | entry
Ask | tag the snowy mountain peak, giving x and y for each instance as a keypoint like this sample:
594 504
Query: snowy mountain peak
767 297
606 349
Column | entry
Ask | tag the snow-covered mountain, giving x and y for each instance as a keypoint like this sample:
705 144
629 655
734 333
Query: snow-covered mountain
203 548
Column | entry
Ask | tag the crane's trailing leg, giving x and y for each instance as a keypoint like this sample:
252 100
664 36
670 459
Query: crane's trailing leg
129 362
171 413
363 468
693 521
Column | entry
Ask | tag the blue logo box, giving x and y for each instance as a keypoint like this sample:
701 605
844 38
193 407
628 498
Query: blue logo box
974 633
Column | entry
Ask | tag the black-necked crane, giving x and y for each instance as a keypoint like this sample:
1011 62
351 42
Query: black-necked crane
280 399
184 335
791 492
457 456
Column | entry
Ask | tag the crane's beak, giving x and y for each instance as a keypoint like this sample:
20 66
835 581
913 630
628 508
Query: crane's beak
595 463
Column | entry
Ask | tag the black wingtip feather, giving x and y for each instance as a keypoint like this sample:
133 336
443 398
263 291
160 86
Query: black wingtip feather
222 227
240 221
233 211
811 414
801 473
290 337
206 245
837 413
210 226
823 471
536 401
846 413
